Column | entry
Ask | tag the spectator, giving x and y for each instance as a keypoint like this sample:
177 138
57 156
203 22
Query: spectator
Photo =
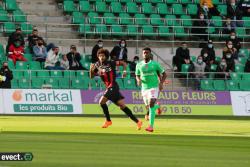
230 55
199 69
200 27
40 51
182 56
132 66
247 66
245 6
5 76
235 40
207 7
228 27
208 53
64 63
15 36
74 59
97 46
33 38
234 12
52 60
16 52
222 71
120 52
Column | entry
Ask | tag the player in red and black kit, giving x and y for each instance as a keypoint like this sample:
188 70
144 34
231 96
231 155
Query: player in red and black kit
106 70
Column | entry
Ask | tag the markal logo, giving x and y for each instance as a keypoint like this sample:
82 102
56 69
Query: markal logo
51 96
17 95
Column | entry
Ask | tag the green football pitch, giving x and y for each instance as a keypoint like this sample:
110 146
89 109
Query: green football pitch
80 142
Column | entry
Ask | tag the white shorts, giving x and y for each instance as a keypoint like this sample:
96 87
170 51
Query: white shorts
149 94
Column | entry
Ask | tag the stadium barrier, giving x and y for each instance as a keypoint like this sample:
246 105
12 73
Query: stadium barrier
51 101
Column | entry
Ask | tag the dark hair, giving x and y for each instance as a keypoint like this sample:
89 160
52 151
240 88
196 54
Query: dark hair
184 43
124 41
103 51
147 48
73 47
99 41
136 57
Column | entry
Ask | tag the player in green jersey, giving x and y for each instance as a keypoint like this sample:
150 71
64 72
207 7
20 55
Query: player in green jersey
151 76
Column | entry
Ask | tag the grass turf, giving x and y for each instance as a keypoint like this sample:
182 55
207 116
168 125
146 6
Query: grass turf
79 141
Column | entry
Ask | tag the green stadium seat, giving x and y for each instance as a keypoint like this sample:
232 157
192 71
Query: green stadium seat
53 82
186 1
117 30
69 6
148 30
69 74
177 9
101 7
219 85
80 83
17 74
27 73
11 5
241 32
132 30
244 52
84 6
132 8
86 29
120 83
171 1
64 83
186 20
235 76
207 85
217 2
130 84
14 84
164 31
116 7
94 84
156 20
246 76
34 65
4 16
140 1
162 8
94 18
26 28
43 74
109 18
77 18
125 1
37 83
192 9
56 74
244 85
185 68
147 8
239 68
217 21
21 65
246 21
140 19
242 60
213 67
232 85
2 50
156 1
101 29
81 74
9 27
24 83
110 1
180 32
28 56
19 16
11 64
218 59
171 20
125 19
222 9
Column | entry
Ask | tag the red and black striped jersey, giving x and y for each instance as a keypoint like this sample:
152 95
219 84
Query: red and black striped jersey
107 72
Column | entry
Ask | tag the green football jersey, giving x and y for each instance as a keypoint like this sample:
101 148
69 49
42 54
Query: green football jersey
148 73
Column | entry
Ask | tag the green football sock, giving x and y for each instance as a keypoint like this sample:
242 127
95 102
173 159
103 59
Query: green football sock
152 115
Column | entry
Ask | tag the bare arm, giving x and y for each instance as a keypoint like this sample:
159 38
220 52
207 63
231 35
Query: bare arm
92 71
162 80
138 80
124 64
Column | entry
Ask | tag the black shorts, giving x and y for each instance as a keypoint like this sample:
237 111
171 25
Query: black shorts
113 94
